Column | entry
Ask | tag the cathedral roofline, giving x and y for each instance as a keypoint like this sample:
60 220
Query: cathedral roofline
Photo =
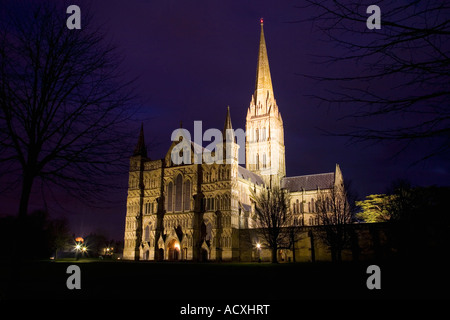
247 174
309 182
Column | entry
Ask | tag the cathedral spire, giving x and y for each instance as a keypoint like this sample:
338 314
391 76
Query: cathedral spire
263 87
264 144
140 149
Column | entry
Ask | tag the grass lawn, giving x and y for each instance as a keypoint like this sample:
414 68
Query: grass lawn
190 282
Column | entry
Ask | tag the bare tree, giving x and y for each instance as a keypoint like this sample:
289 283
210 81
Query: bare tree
294 234
59 235
397 75
273 216
335 210
63 103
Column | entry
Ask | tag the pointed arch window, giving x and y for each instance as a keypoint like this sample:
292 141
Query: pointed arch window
147 233
170 197
257 161
264 160
178 193
187 195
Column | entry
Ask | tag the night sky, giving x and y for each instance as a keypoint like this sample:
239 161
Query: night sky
194 58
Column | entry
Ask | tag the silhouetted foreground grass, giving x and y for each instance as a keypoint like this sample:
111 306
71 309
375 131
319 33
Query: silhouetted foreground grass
191 282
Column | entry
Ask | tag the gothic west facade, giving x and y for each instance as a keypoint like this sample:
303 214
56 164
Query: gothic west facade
198 211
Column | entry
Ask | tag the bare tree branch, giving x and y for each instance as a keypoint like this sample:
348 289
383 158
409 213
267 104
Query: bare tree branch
273 217
64 103
402 68
336 207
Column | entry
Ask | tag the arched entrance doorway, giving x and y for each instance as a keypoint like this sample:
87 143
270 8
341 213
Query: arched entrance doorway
174 250
160 254
204 255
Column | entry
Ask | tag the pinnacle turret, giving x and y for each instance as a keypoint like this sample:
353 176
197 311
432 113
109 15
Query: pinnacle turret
140 149
228 134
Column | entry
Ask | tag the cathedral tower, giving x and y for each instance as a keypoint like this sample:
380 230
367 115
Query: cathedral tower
264 146
133 222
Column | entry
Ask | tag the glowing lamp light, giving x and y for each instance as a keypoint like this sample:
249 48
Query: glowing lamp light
78 247
176 246
261 20
258 245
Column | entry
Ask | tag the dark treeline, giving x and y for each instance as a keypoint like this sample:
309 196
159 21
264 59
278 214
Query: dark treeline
419 222
38 236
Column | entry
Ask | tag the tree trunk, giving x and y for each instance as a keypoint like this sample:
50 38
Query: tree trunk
313 252
20 233
274 255
338 254
333 254
27 184
293 250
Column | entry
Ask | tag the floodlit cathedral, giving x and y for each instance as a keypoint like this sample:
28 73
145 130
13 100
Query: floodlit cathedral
199 211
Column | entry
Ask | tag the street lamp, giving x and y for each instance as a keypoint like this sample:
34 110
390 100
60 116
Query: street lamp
77 251
258 246
79 248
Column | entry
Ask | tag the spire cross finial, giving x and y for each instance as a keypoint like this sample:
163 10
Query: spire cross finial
261 21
